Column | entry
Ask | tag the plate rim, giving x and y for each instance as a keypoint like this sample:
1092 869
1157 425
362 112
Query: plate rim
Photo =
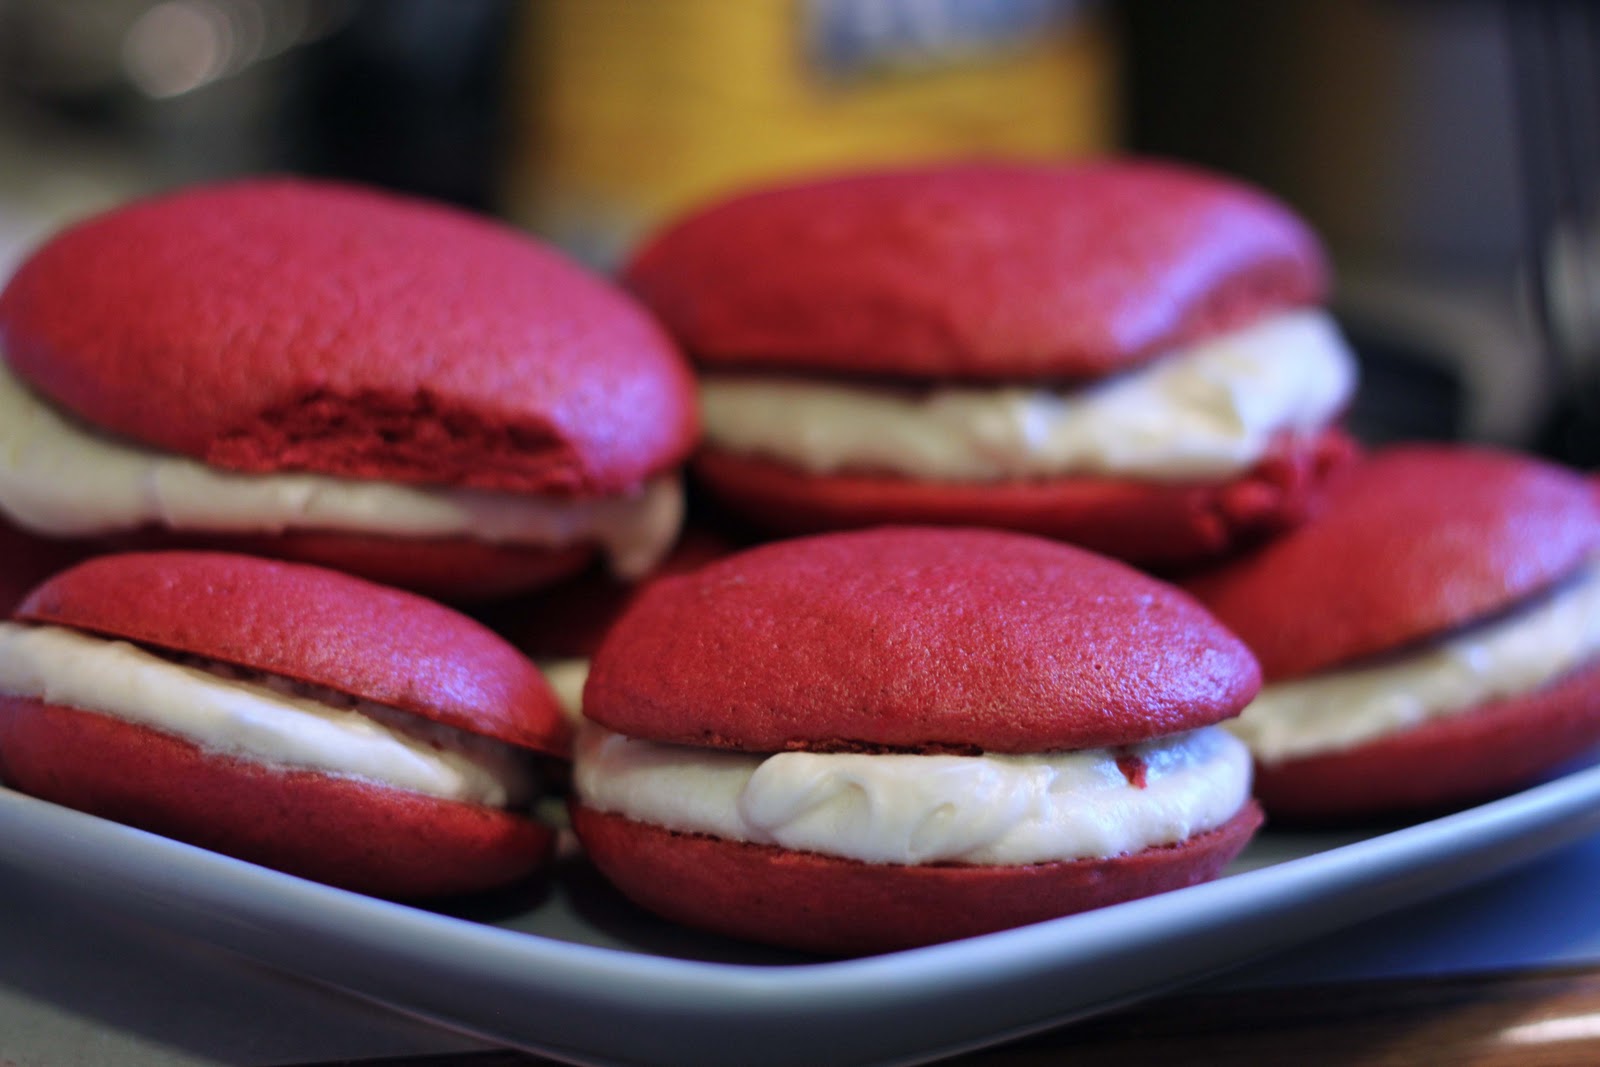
464 974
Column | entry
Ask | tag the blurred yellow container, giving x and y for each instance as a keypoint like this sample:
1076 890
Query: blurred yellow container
630 111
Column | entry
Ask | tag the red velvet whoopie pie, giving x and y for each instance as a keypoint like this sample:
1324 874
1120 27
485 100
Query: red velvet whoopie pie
281 713
866 741
1125 354
1429 639
338 375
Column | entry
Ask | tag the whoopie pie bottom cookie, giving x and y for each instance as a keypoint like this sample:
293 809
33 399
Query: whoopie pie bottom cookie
1159 524
849 853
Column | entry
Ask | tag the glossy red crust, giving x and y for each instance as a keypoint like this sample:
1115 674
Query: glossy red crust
1490 750
915 639
314 626
1413 542
842 907
346 832
276 325
1150 523
977 271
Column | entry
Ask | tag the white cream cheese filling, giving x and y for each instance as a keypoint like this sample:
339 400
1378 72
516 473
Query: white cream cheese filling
567 678
255 721
1514 654
61 479
994 810
1210 410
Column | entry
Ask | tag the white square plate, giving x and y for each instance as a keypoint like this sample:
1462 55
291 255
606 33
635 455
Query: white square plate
576 973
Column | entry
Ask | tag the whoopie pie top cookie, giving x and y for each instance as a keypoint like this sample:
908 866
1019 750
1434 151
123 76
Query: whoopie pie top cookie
863 741
1082 350
1429 637
997 272
283 356
283 713
915 640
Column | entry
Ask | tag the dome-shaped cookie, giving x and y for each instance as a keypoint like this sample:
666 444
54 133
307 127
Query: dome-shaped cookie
917 640
983 271
315 626
1412 542
284 325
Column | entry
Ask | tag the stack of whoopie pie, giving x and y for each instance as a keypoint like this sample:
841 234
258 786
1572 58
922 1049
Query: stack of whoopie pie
1124 355
329 374
938 711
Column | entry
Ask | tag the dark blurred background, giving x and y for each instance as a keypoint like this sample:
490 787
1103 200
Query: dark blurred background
1445 150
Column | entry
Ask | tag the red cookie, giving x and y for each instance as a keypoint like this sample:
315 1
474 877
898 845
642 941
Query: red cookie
1005 274
278 326
1414 545
435 676
1147 522
903 643
999 271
